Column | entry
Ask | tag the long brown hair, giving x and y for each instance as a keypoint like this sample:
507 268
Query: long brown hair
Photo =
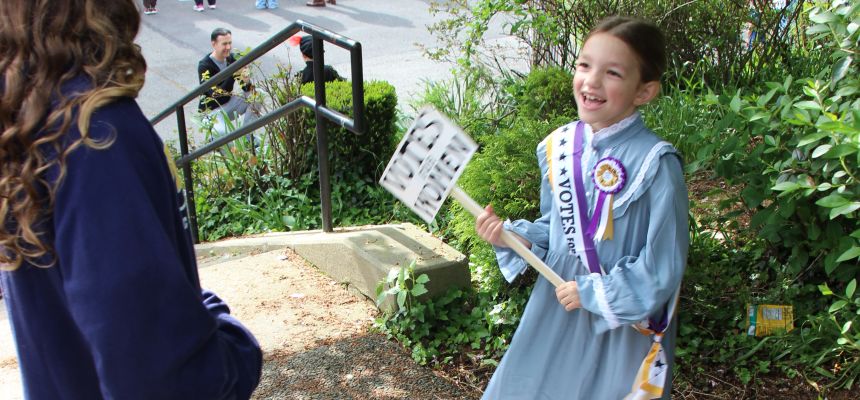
43 44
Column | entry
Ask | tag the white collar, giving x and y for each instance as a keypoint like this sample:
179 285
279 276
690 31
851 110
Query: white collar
611 130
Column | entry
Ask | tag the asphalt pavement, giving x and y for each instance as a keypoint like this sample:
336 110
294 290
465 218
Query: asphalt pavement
390 32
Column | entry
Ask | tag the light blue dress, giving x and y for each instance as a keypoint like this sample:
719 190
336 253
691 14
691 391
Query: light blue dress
593 352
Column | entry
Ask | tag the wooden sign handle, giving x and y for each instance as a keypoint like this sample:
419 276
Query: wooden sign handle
473 207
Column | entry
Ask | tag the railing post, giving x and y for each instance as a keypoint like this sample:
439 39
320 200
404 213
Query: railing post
322 134
357 89
357 124
186 173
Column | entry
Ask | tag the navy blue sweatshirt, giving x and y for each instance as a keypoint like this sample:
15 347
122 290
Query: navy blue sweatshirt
121 314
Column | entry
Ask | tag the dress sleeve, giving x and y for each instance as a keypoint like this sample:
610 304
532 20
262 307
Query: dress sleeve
639 286
536 232
151 332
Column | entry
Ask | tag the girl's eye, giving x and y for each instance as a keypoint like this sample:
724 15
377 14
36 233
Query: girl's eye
581 65
615 73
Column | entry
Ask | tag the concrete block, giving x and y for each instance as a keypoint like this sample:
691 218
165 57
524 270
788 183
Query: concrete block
363 258
359 256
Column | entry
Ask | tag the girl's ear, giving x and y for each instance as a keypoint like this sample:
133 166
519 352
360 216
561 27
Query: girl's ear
647 92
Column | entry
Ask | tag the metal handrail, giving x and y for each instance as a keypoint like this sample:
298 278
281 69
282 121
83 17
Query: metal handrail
318 104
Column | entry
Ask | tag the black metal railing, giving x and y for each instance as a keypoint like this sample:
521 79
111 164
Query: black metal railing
318 104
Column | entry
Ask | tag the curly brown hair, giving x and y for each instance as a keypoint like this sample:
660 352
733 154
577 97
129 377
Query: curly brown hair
43 44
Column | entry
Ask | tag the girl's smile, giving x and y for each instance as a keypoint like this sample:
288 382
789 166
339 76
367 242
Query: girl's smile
607 82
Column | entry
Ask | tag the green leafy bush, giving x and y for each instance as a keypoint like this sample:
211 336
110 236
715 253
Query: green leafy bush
273 185
477 100
367 153
695 30
466 326
546 94
795 151
292 138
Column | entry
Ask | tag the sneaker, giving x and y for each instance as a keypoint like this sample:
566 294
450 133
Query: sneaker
153 10
212 7
198 8
147 11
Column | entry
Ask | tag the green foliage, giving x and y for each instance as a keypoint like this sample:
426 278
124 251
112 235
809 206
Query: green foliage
546 94
815 345
695 30
474 99
277 203
367 153
403 286
680 116
459 325
504 174
272 184
795 150
720 281
292 138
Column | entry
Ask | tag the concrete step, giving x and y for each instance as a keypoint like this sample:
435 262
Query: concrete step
359 257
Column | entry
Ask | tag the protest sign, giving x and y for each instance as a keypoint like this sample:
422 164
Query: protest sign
424 171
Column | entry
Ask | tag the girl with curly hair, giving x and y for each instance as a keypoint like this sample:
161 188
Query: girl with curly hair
99 273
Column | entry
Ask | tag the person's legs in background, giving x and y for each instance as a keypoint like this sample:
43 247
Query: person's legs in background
262 4
149 7
231 111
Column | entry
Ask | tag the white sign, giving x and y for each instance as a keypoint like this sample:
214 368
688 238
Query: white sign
427 163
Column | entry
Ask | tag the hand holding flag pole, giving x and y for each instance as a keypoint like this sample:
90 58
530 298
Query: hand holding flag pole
424 170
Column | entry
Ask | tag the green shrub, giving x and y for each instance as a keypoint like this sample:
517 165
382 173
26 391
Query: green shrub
475 99
367 153
292 138
695 30
274 186
505 174
546 94
795 149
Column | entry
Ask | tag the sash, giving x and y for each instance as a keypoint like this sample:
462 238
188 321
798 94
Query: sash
651 378
564 156
565 165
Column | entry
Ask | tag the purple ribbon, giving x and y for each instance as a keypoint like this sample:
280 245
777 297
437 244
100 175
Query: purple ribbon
590 251
656 325
595 219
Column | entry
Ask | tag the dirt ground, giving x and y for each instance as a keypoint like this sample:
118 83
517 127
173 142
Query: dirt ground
315 334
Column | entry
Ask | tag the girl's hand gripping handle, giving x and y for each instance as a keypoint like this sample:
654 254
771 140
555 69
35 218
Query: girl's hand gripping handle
491 226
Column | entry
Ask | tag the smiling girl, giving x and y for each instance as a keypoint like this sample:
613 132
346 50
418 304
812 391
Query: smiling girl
613 225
